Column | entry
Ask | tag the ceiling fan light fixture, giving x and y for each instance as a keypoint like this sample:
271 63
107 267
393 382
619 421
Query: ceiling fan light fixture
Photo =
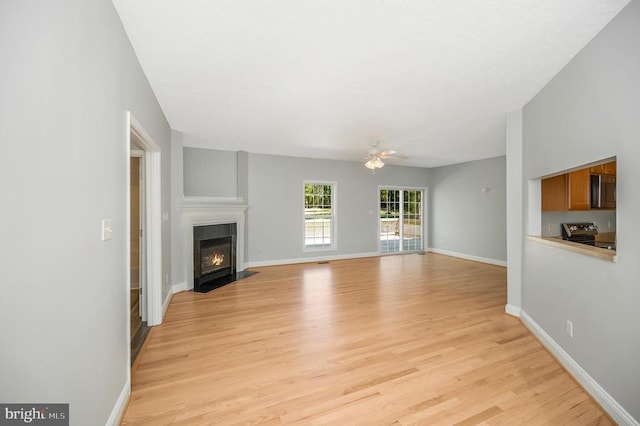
374 163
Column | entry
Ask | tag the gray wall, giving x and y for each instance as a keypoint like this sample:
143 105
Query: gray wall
590 111
210 172
68 75
463 219
455 206
178 272
275 215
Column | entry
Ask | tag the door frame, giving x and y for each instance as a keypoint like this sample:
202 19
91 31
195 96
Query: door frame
143 227
153 223
423 235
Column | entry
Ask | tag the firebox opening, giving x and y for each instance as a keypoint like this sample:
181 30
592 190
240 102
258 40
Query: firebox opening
214 260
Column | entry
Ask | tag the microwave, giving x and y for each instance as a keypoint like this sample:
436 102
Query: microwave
603 192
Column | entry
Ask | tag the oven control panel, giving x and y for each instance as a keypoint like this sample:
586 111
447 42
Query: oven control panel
572 229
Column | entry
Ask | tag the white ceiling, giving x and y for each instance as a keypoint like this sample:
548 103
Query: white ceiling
431 79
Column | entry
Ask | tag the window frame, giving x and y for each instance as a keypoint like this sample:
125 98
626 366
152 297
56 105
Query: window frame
423 209
333 245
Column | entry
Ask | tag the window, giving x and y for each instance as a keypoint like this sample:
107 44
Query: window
401 220
319 215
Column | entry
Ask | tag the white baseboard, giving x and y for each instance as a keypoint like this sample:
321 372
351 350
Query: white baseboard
512 310
309 259
121 404
610 405
468 257
176 288
371 254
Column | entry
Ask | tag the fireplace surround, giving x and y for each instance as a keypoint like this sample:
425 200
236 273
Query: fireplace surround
198 212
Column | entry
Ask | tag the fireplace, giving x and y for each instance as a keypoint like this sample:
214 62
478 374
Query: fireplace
214 256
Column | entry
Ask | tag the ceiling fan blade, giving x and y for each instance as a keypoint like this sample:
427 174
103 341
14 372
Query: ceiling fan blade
396 157
376 154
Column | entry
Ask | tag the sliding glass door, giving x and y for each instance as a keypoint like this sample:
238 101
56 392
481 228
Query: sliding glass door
401 220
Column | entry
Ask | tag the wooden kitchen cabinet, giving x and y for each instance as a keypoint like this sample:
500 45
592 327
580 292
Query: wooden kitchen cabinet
607 193
572 191
579 190
554 194
609 168
604 169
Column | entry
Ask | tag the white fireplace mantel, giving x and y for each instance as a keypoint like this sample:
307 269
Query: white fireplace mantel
202 211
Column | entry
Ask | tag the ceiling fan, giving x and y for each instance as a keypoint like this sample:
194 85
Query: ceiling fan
375 155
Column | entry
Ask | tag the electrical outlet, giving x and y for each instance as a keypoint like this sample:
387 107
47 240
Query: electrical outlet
106 229
569 328
549 227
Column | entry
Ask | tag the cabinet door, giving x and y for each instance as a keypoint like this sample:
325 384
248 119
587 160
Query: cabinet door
554 194
608 192
579 185
597 170
609 168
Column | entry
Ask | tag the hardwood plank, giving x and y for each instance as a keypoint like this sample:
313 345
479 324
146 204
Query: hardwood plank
481 416
385 340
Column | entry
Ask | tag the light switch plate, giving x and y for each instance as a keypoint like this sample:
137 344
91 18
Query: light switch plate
106 229
570 328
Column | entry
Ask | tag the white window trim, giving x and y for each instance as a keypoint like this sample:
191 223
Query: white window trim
334 223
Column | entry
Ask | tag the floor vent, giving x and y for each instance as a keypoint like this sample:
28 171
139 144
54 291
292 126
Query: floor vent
323 262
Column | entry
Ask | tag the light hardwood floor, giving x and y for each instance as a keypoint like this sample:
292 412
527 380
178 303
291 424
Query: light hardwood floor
413 339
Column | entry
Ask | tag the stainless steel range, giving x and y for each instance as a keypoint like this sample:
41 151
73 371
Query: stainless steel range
584 232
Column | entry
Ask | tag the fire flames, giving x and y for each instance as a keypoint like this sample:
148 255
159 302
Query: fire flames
217 259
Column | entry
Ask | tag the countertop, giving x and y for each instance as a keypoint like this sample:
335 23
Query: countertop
600 253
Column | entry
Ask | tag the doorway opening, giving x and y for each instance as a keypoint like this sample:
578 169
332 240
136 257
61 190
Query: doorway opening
137 269
401 220
144 231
